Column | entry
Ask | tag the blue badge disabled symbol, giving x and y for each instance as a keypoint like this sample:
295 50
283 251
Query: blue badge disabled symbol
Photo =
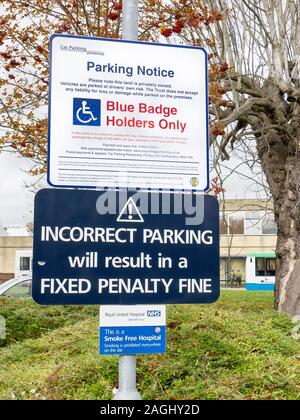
86 111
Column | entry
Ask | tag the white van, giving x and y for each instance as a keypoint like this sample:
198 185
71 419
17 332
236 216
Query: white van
260 271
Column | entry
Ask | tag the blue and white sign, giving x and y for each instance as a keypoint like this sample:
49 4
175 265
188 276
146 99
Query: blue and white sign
136 329
126 114
87 112
115 248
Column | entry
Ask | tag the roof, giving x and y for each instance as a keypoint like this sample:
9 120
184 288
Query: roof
265 255
251 204
3 231
16 231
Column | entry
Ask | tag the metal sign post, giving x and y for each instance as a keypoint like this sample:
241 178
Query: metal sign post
130 14
127 363
127 379
170 256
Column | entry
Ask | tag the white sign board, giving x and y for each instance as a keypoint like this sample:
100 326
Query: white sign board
134 329
126 114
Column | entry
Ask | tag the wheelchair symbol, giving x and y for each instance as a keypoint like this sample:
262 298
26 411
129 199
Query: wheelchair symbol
87 111
84 114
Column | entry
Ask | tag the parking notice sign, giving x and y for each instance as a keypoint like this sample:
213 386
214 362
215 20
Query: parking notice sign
127 114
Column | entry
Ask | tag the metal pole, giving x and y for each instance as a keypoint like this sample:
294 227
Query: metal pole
130 13
127 363
127 379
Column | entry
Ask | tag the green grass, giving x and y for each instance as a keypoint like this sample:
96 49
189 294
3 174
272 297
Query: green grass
238 348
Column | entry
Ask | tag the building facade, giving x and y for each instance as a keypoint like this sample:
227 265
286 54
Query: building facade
247 227
12 247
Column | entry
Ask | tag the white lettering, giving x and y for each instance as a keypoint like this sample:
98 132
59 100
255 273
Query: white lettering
130 286
65 286
186 237
195 286
87 234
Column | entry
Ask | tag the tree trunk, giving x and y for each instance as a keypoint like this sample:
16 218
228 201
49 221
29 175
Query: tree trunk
287 291
280 158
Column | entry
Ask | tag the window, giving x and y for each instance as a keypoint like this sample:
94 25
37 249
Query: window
260 223
232 223
232 271
265 266
236 223
249 223
270 266
24 263
260 266
268 225
253 222
223 226
20 290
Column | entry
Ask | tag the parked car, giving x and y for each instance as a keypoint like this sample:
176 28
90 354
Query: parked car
17 287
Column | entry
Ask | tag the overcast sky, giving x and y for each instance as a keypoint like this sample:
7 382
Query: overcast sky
16 201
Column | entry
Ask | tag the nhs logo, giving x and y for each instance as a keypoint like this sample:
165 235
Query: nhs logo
154 313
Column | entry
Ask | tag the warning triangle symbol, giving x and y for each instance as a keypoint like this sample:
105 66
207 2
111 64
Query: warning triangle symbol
130 213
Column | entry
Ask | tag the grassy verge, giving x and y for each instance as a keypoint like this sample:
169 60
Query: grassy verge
238 348
25 319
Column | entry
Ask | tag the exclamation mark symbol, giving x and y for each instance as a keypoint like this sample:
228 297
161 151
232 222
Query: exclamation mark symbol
130 211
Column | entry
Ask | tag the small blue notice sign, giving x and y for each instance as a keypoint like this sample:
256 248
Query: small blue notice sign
135 329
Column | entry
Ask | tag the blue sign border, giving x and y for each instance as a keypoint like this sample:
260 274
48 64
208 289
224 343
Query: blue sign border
52 37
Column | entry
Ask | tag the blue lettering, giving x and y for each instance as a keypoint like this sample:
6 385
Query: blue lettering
90 65
128 71
155 71
110 68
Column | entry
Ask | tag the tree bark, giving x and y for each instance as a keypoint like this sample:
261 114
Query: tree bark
280 159
287 291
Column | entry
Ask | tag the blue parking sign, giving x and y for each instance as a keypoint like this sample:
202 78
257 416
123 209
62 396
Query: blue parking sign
86 254
87 112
